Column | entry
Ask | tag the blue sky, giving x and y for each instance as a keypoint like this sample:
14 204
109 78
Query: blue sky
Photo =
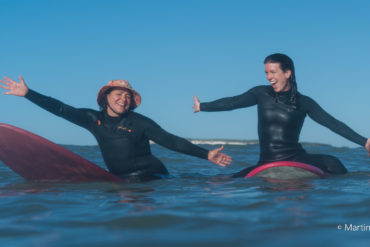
172 50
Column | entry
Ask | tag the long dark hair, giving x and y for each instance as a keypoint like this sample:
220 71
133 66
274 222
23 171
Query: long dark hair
286 63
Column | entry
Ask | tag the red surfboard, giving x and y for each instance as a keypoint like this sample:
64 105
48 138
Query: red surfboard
36 158
287 170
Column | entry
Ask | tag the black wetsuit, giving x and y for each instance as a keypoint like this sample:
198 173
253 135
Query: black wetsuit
280 124
124 140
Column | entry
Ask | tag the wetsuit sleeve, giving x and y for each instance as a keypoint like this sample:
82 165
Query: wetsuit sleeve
319 115
246 99
155 133
74 115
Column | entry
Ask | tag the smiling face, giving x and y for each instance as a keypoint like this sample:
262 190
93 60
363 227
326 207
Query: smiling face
278 79
119 102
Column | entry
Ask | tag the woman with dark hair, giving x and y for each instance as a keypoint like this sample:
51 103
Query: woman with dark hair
122 134
281 113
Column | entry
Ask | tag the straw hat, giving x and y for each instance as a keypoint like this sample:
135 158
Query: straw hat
118 84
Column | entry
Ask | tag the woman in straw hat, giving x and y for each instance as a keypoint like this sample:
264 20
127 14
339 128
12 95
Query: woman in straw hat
122 134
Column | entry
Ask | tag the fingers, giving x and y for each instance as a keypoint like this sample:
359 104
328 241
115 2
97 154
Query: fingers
223 159
5 87
219 158
196 105
367 146
220 148
227 160
13 87
222 163
5 82
9 80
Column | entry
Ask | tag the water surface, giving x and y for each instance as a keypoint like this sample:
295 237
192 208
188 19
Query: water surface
198 205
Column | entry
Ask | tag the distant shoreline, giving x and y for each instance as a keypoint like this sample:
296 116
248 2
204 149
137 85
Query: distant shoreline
231 142
223 142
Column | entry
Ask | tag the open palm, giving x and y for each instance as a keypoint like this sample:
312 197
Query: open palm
218 158
14 88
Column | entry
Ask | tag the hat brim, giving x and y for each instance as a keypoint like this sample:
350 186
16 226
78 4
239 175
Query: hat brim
102 92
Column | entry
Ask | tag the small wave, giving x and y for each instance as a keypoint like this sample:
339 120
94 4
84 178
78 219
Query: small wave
223 142
219 142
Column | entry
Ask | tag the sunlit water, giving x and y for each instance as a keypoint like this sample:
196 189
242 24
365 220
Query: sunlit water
199 205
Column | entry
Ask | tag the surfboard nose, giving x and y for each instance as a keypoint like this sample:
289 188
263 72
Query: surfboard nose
36 158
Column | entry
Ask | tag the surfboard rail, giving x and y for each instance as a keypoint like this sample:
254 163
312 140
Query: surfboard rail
313 169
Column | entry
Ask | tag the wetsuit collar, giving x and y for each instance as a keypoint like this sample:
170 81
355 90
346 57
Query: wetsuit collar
124 115
285 93
283 97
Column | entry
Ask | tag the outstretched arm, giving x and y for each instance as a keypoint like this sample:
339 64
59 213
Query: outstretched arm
13 87
322 117
182 145
154 132
81 117
246 99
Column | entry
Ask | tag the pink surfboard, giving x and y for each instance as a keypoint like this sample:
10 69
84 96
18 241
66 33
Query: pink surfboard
287 170
36 158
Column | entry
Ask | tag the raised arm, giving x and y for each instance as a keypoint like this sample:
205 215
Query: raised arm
81 117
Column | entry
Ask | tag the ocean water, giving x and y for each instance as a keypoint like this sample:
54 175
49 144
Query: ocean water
198 205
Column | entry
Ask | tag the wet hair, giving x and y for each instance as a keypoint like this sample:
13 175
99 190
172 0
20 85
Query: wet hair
104 103
286 63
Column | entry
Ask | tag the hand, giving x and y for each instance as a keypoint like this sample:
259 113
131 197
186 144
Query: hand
215 156
196 105
13 87
367 146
